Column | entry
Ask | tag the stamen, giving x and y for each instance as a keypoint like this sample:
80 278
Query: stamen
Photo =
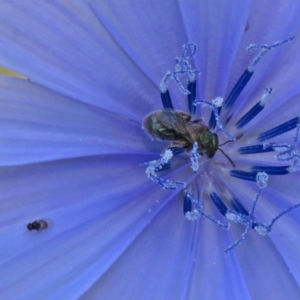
237 89
164 167
251 176
216 103
254 149
156 165
265 229
195 156
175 76
287 126
187 205
293 167
255 110
176 150
295 140
239 86
212 120
166 99
182 67
196 213
286 151
182 63
192 96
262 181
218 203
265 48
237 217
282 147
239 207
261 229
282 170
193 215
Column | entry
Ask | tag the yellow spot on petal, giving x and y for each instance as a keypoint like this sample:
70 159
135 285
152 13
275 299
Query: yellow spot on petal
7 72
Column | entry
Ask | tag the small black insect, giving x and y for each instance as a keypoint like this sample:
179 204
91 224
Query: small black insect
38 225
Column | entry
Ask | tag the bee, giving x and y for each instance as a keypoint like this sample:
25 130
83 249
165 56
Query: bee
178 127
38 225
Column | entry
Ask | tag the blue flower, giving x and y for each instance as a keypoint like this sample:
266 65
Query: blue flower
72 149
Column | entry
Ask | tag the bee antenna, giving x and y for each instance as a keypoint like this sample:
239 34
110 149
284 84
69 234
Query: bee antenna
225 143
231 161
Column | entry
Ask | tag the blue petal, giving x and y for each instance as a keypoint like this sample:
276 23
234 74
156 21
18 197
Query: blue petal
187 278
100 66
93 212
83 55
38 124
278 69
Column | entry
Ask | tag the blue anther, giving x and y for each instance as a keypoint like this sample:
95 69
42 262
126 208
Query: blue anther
218 203
251 223
187 204
166 100
239 207
251 176
255 149
176 150
163 167
192 96
237 89
253 112
212 121
287 126
282 170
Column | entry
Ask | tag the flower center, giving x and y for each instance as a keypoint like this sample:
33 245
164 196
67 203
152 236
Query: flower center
197 139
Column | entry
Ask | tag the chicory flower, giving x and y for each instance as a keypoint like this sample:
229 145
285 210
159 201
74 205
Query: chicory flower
73 150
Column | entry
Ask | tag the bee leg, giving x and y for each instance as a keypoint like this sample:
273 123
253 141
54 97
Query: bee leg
198 121
180 144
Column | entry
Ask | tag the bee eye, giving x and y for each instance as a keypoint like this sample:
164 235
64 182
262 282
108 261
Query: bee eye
29 227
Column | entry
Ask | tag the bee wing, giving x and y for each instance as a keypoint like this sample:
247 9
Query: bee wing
173 121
